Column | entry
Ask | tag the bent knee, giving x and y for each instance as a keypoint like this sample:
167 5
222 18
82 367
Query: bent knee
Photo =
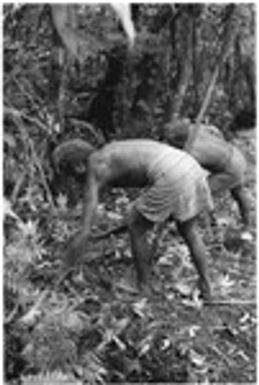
137 222
188 226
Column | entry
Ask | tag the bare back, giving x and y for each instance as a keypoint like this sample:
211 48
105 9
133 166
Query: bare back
211 150
132 163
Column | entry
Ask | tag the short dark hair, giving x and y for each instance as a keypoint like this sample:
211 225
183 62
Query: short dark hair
177 132
72 152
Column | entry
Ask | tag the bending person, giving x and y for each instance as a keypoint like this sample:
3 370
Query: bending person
175 185
226 164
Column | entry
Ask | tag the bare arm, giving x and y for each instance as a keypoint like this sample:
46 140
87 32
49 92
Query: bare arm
77 244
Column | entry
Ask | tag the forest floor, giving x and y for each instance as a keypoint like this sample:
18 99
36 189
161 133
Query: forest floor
105 331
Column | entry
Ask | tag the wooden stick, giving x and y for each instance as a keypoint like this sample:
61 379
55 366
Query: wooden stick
31 316
12 315
231 302
114 230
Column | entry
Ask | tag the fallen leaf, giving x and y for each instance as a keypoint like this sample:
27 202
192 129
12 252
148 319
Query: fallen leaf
165 260
62 201
144 349
29 228
139 307
134 366
184 254
183 288
145 344
166 343
245 318
223 221
225 282
31 317
242 354
170 296
196 358
119 343
114 216
246 236
193 330
8 211
122 285
195 302
196 298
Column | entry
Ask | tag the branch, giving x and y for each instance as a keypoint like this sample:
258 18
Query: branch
25 93
124 13
18 186
113 231
12 315
232 302
20 114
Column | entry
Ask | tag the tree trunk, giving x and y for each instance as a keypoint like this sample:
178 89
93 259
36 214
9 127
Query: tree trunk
185 72
248 68
195 72
229 34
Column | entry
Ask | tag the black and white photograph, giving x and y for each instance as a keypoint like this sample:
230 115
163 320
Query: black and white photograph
129 193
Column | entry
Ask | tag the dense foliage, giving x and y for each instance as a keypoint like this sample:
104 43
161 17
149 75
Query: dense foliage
81 80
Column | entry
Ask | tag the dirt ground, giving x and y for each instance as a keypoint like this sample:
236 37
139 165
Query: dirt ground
100 328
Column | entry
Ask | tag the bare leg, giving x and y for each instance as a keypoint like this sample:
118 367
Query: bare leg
239 195
220 182
138 227
189 232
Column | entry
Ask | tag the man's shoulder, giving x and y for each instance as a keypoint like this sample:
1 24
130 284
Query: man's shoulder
135 144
